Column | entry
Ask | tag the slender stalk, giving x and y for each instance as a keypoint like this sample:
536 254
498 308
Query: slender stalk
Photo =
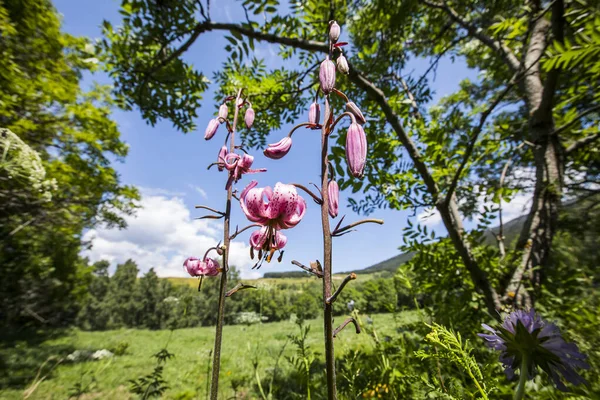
214 386
328 308
520 391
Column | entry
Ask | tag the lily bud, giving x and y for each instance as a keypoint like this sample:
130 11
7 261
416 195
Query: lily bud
334 32
249 117
352 108
223 111
356 149
211 129
314 114
221 158
342 64
333 191
327 76
279 149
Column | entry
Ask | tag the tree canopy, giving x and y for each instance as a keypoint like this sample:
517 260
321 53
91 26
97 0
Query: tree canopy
56 174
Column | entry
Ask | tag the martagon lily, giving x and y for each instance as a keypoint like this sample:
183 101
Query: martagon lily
283 209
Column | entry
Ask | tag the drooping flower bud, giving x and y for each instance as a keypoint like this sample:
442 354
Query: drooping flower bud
223 111
334 32
279 149
249 117
197 267
356 149
221 158
352 108
314 113
333 191
327 76
342 64
211 129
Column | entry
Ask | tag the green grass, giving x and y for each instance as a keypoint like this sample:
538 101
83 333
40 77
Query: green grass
185 373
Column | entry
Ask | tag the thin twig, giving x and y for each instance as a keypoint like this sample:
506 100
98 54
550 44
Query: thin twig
338 231
343 325
335 295
308 269
238 287
316 198
210 209
237 232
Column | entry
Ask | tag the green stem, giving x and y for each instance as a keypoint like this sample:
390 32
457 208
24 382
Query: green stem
520 392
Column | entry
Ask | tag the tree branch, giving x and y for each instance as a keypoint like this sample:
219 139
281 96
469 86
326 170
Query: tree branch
471 146
497 46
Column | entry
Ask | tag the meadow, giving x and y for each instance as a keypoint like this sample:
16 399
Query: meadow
42 371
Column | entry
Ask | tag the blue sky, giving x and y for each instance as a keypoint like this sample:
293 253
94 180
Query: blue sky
170 169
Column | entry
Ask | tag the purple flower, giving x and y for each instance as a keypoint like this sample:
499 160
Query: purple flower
211 129
207 267
327 75
333 191
314 114
525 334
279 149
356 149
249 117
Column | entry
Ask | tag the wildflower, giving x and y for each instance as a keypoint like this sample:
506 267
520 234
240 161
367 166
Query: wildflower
237 166
334 198
356 149
327 75
279 149
221 158
211 129
283 209
342 64
334 32
266 240
223 111
249 117
314 114
353 109
525 340
206 267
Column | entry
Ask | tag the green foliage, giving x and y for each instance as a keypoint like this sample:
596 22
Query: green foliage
304 361
449 347
61 147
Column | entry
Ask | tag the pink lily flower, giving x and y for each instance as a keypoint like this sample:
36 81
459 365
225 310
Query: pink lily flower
206 267
283 209
239 165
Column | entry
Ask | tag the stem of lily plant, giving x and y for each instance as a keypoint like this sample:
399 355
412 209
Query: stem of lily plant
328 308
216 366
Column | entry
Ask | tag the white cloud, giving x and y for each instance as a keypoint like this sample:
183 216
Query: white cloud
146 191
162 235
